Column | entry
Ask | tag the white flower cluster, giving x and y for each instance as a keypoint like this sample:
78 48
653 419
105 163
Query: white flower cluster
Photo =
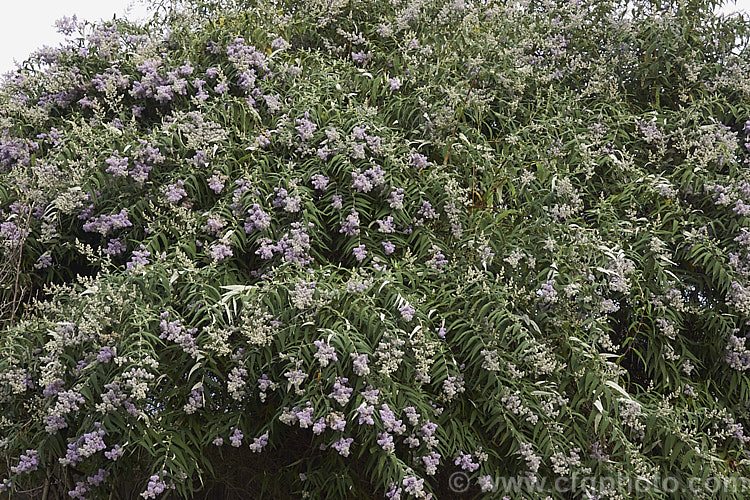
630 412
389 354
258 326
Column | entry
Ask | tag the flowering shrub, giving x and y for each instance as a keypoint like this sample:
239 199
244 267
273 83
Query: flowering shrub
351 248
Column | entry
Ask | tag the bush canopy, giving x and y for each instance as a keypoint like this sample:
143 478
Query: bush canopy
360 248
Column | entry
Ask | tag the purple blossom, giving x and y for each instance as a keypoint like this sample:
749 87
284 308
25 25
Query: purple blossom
337 422
547 292
145 155
370 395
87 212
236 438
259 443
437 260
289 203
407 312
361 57
53 388
650 131
465 462
114 247
273 103
737 356
389 420
396 199
393 492
366 413
343 445
350 226
341 392
598 453
186 69
418 160
214 225
412 415
324 152
67 401
427 212
485 483
27 463
336 202
388 247
79 491
319 426
305 127
305 417
105 355
106 224
139 258
295 377
98 478
246 81
359 363
412 441
258 220
266 248
741 208
374 143
43 262
359 132
175 192
441 331
15 151
386 225
155 486
427 430
216 183
164 94
395 83
174 331
263 140
66 25
117 166
384 30
84 447
295 245
280 44
486 255
431 462
385 441
115 453
325 354
360 253
220 251
413 486
195 401
53 423
320 182
365 182
245 56
358 151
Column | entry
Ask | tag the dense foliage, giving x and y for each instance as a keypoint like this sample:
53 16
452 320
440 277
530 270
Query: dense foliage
344 249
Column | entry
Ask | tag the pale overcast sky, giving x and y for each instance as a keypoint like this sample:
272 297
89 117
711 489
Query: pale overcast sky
26 25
